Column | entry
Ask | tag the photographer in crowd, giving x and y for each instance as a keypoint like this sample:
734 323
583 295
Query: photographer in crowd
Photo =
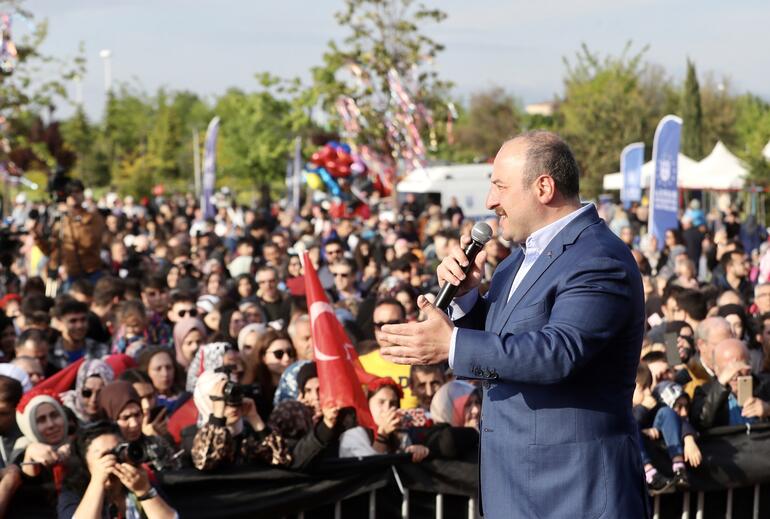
103 482
75 240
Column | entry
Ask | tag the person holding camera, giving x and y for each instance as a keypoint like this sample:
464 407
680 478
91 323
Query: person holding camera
111 485
231 432
75 240
122 405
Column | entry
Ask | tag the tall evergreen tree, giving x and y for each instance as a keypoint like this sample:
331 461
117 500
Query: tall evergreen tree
692 115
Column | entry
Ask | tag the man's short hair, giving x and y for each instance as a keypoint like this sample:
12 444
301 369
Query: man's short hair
267 268
74 186
181 296
154 281
33 335
82 286
106 290
393 302
36 310
10 390
671 290
67 306
655 356
437 369
643 375
547 153
727 257
693 303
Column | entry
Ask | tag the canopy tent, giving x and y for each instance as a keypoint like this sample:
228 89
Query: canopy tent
685 165
720 171
766 151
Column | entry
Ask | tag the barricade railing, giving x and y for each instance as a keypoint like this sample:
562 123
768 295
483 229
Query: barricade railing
732 481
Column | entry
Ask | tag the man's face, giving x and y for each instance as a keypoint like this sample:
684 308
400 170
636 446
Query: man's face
706 348
762 299
514 202
75 199
385 314
272 254
425 385
303 340
36 350
7 416
267 283
75 327
146 395
155 300
343 277
738 266
182 309
333 252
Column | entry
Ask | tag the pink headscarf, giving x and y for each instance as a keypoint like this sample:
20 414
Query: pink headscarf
181 330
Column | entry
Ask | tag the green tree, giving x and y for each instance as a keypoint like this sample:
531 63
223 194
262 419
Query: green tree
257 132
603 110
164 140
492 117
384 35
719 112
692 115
752 127
79 135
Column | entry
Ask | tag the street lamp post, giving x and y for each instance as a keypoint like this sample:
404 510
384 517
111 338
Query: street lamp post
106 54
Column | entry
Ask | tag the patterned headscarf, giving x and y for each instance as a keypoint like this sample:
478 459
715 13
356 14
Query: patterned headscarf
208 358
90 368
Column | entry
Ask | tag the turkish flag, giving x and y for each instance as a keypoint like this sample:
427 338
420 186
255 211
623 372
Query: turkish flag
340 374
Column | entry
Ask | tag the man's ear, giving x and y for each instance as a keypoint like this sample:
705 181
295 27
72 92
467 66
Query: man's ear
545 188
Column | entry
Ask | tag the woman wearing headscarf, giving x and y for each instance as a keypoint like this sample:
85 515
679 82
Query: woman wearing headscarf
92 376
189 335
122 405
231 431
43 424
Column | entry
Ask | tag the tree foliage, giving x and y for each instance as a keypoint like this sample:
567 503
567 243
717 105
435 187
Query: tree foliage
692 115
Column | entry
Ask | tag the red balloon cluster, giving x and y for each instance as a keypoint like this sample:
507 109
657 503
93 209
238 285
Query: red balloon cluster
335 160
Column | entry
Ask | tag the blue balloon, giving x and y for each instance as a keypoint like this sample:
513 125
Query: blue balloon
334 188
345 148
333 144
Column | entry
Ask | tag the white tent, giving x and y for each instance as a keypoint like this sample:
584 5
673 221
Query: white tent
685 165
766 151
720 171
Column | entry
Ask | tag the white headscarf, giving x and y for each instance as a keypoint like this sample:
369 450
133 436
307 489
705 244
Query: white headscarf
258 328
202 397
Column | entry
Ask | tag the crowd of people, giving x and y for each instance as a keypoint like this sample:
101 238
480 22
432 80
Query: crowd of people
138 338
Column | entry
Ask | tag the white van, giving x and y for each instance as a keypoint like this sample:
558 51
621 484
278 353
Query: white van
468 182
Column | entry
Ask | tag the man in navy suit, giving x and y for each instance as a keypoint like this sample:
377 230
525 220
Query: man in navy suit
555 342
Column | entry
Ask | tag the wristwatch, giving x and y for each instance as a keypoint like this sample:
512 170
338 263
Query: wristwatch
149 495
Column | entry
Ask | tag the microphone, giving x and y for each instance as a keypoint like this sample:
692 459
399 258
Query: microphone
480 235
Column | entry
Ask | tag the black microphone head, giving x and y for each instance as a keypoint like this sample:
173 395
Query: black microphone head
481 233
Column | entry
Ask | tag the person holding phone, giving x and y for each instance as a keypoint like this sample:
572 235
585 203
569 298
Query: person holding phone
122 405
716 403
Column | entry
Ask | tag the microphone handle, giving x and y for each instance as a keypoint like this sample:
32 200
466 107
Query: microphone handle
448 291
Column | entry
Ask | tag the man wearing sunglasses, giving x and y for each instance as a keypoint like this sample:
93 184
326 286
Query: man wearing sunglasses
276 304
345 290
389 311
182 305
333 250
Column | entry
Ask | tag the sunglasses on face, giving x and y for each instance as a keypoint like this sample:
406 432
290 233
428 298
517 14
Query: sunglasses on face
88 393
380 325
334 251
342 274
193 312
278 354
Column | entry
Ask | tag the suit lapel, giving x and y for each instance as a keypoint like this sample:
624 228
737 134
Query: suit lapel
501 295
555 248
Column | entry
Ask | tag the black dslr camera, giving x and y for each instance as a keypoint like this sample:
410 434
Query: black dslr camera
130 452
233 393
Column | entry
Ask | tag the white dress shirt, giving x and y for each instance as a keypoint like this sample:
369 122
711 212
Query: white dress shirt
534 246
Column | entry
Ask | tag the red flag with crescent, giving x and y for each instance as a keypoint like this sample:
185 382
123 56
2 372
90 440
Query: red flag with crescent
340 373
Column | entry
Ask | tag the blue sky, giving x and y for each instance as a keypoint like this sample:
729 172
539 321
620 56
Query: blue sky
206 46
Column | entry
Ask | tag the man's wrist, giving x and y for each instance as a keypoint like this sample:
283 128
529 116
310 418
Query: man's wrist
149 494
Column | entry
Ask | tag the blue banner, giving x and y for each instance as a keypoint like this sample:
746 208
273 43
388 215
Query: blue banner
631 160
664 195
209 168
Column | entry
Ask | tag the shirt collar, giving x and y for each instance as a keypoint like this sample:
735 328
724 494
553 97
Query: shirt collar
540 239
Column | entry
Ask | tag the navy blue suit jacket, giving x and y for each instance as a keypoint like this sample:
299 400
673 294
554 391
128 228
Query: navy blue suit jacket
558 363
